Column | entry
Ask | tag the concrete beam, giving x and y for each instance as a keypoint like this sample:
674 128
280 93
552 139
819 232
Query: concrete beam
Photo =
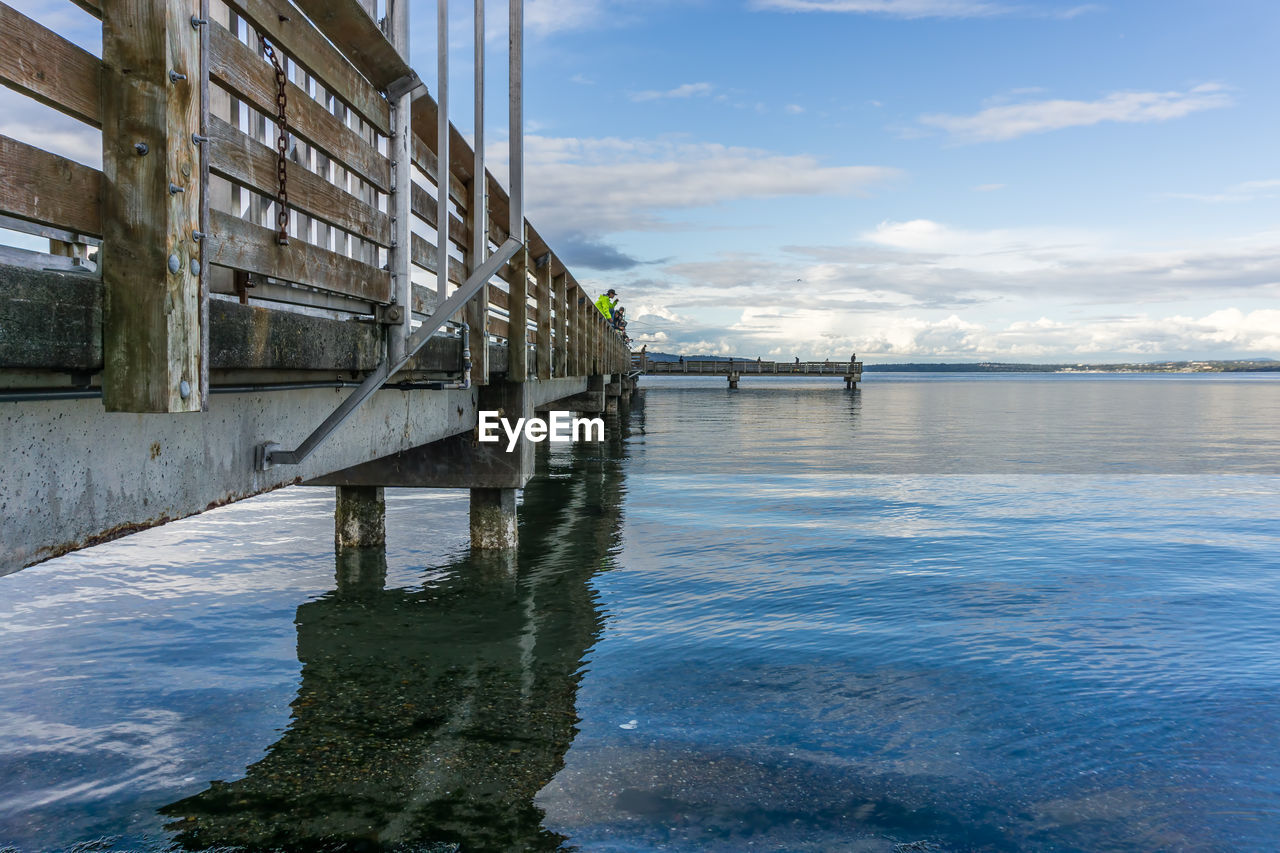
62 492
591 400
459 461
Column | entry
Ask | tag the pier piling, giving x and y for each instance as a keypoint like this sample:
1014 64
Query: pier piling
359 517
493 519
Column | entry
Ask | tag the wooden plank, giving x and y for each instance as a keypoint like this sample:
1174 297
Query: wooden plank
426 257
43 65
152 323
242 245
249 163
93 7
423 205
49 190
499 328
424 300
425 159
543 337
461 155
349 26
250 77
498 297
283 25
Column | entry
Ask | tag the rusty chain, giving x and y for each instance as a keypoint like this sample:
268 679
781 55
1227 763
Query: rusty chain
282 145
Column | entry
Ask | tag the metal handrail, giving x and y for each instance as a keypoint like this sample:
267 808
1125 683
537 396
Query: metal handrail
269 453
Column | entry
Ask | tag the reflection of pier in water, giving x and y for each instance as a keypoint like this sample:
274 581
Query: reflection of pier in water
433 715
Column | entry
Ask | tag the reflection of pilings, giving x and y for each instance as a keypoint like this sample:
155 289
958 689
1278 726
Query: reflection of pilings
435 714
360 570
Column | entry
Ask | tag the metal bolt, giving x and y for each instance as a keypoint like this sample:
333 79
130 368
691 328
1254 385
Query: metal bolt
198 139
141 148
174 189
197 22
197 236
184 389
176 77
195 267
175 264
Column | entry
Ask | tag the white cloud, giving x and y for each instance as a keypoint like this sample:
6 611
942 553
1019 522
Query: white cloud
924 289
794 109
1224 333
1245 191
1009 121
895 8
687 90
548 16
988 188
922 8
597 186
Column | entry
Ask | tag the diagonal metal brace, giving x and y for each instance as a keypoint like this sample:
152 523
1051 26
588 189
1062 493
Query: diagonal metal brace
405 85
269 453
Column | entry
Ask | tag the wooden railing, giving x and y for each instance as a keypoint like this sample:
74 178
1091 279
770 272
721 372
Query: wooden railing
186 204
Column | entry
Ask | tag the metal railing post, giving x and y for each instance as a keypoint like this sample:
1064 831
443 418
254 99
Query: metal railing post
400 152
442 150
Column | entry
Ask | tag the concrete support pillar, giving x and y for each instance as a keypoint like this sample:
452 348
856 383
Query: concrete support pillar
493 519
733 380
612 392
359 518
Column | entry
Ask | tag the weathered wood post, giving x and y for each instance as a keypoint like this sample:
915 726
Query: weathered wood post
560 361
597 327
579 330
543 291
152 320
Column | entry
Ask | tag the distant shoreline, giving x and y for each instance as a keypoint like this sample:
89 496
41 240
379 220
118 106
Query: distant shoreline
1262 365
1156 367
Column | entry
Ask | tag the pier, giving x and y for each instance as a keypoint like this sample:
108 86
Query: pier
290 269
734 369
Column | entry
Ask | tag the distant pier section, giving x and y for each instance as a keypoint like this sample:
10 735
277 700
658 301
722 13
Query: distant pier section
736 368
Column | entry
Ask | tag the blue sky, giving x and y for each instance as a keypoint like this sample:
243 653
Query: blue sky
1025 180
949 179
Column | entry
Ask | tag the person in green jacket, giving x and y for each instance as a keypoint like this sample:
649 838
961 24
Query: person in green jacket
607 302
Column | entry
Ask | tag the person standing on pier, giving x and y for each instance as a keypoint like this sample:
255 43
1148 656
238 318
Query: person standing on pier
606 302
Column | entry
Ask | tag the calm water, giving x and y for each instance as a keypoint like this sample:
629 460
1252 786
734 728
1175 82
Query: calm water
940 613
